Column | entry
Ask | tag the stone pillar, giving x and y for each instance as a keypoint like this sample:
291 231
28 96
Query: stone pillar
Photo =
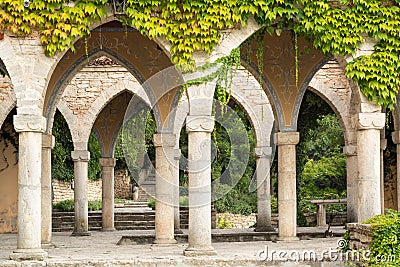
107 178
164 146
368 156
287 203
47 146
263 163
396 140
30 129
177 221
352 182
383 147
81 159
199 130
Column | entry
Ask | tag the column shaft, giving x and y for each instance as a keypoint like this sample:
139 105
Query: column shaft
30 130
352 182
177 221
199 130
107 177
287 203
368 154
47 145
81 160
263 162
164 145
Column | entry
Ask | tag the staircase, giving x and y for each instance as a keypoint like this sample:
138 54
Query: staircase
126 220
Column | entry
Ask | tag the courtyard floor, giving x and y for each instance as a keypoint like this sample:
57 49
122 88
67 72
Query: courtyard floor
101 249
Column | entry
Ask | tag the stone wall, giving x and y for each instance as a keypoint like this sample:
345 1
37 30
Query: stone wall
122 188
62 191
360 235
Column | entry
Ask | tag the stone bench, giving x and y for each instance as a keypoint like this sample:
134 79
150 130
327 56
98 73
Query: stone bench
321 208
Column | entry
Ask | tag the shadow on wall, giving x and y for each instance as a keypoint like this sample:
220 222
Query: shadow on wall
8 177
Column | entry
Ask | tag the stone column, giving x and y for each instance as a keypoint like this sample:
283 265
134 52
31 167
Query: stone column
30 129
177 221
396 140
368 156
107 178
383 147
287 203
47 145
263 163
164 146
352 182
81 159
199 130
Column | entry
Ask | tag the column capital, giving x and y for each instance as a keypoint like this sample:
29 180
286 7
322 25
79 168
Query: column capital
164 140
107 162
367 121
48 141
350 151
199 123
29 123
287 138
177 153
263 152
396 137
80 155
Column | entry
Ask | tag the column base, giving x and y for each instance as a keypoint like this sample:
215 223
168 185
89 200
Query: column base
264 229
178 231
287 239
81 234
165 241
194 252
28 254
48 245
108 229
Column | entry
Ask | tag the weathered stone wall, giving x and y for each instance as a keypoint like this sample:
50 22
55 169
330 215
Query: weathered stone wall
8 179
360 235
122 188
62 191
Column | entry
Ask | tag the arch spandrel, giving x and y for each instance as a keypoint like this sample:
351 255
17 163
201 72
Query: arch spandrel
279 72
141 56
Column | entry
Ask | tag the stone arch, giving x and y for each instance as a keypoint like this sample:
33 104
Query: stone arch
246 92
7 97
331 84
82 118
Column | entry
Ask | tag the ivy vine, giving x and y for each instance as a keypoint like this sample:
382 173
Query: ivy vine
336 27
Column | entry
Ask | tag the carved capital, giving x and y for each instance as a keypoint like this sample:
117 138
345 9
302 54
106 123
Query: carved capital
396 137
164 140
48 141
80 155
200 123
177 154
350 151
107 162
263 152
29 123
367 121
287 138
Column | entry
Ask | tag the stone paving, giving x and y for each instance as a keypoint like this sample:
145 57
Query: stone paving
100 250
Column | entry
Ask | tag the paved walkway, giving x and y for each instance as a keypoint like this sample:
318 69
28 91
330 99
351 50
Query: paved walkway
100 249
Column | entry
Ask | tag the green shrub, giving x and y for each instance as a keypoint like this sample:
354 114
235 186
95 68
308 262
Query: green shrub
385 241
68 205
184 201
65 205
152 203
224 223
94 205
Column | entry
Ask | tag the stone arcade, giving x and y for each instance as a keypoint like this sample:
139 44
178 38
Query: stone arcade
38 85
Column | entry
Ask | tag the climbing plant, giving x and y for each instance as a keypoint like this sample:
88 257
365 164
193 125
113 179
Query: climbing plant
335 26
